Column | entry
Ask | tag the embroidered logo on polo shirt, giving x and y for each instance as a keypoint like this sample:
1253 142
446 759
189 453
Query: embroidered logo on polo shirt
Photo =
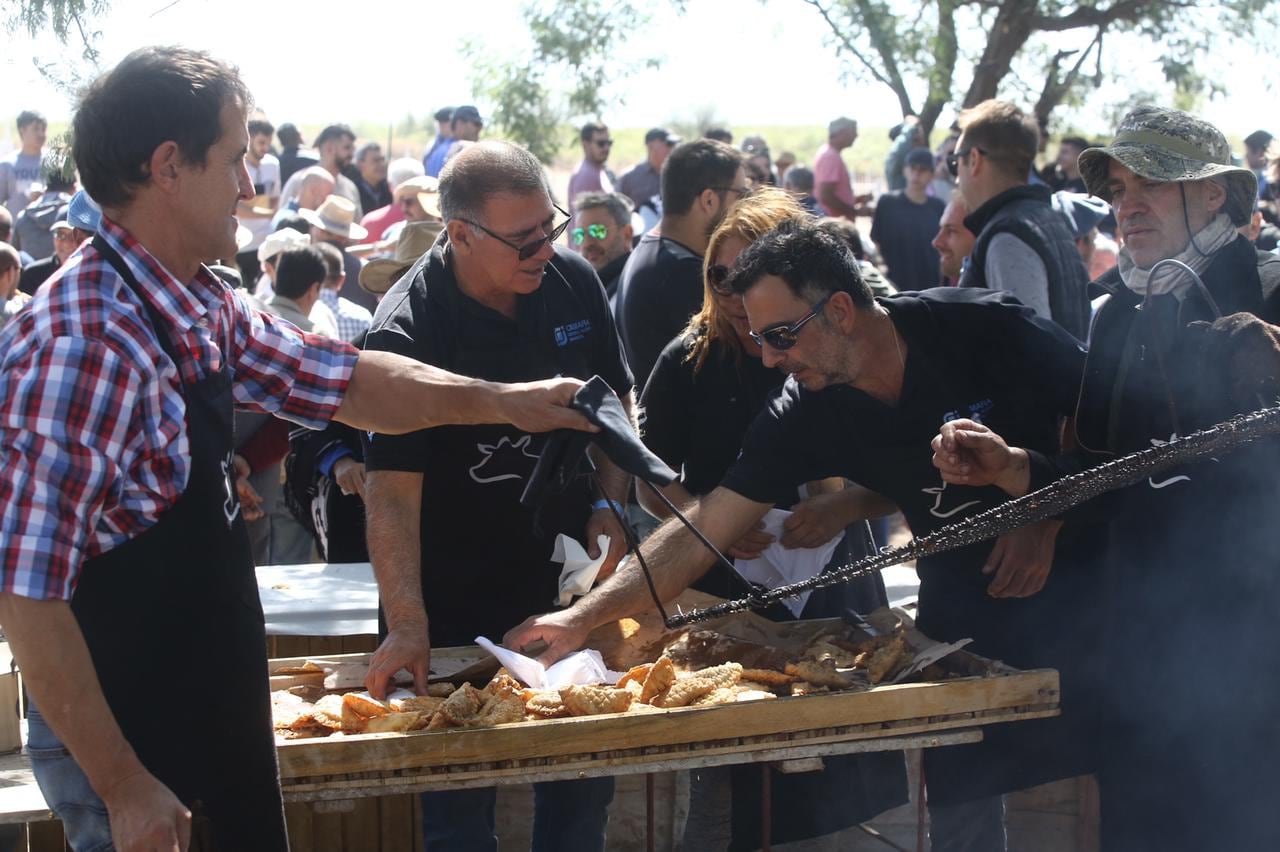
571 332
976 410
503 460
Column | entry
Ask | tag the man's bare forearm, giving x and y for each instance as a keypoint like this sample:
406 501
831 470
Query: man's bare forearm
675 492
58 672
830 201
392 394
615 481
394 507
675 557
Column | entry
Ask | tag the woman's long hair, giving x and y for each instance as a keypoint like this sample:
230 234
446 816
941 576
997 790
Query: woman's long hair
749 219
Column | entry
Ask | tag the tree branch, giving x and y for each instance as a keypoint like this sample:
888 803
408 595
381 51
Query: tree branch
848 45
1130 11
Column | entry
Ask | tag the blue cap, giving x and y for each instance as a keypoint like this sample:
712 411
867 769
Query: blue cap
84 213
1083 212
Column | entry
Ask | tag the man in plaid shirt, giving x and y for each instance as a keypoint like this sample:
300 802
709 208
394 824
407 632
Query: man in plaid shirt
126 587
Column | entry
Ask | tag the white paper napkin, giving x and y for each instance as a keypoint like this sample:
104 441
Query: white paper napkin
580 571
581 667
780 566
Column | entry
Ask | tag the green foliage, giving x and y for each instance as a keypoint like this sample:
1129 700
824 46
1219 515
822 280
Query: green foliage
64 17
567 75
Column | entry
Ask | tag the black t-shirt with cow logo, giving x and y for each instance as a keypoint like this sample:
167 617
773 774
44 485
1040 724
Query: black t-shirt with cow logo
485 558
970 353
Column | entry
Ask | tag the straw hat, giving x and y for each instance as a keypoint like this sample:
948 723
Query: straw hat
415 240
337 215
428 190
278 241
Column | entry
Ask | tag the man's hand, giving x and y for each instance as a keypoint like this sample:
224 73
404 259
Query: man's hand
815 521
542 406
751 544
967 453
250 500
1021 560
349 475
1240 355
603 522
145 816
561 631
406 647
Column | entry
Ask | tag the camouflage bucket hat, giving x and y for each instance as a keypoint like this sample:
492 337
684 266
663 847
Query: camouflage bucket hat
1167 144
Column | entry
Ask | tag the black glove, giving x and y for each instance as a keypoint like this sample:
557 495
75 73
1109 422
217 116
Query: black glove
1239 360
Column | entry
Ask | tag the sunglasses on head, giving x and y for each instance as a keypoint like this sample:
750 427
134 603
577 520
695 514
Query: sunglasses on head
718 278
595 232
527 250
783 337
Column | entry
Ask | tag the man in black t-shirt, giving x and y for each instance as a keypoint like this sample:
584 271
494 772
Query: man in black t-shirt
455 553
904 224
870 383
661 285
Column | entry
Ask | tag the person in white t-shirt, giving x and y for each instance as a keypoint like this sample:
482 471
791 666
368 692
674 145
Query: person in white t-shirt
264 171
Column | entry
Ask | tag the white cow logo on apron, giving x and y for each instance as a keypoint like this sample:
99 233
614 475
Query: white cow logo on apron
937 511
231 505
504 460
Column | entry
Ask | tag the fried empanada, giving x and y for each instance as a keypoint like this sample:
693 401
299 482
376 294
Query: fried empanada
824 650
595 700
753 694
719 695
682 693
725 674
420 704
328 712
887 659
661 675
766 676
636 674
396 723
364 704
463 705
441 690
819 674
500 710
544 704
503 684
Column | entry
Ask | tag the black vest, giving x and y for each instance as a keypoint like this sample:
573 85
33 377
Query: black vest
1025 212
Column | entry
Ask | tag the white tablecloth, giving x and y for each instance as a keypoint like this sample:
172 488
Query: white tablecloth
339 599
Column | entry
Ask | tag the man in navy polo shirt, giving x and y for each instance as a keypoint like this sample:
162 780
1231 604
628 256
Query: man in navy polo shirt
455 553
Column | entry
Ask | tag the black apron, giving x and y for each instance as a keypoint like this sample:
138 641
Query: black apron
486 559
175 628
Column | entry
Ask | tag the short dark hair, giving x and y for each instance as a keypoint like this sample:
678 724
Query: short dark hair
812 258
1009 136
334 263
30 116
444 114
485 169
334 131
1258 140
261 127
298 270
288 135
590 129
694 167
618 205
294 222
1076 142
155 95
719 134
847 231
366 149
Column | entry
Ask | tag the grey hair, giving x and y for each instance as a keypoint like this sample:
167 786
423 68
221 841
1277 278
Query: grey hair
485 169
618 205
799 178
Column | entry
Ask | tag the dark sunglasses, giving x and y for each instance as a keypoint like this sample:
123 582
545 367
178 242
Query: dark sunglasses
718 278
740 191
527 250
603 143
953 159
595 232
783 337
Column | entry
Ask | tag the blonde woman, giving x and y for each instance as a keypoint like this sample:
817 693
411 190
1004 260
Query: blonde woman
705 389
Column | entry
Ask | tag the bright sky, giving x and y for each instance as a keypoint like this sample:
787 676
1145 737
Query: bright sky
745 61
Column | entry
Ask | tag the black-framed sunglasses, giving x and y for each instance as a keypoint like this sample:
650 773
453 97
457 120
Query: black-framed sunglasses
527 250
783 337
741 191
953 159
718 278
602 143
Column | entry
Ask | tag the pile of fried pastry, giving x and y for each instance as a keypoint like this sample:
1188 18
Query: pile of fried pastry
695 670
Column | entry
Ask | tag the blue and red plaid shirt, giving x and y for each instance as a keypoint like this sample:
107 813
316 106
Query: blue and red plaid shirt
93 440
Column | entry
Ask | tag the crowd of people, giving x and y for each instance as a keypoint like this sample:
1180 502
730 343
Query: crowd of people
359 364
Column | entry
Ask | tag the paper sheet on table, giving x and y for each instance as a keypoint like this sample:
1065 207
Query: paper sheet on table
779 566
581 667
580 571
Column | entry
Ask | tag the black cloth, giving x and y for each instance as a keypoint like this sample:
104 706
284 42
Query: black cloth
695 421
485 557
185 590
611 273
35 274
1193 574
292 161
984 356
1027 213
660 289
371 197
904 231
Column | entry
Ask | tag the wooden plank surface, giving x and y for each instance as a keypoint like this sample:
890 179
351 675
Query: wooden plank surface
944 704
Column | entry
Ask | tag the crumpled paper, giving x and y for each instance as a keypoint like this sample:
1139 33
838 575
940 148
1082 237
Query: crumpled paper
580 667
580 571
780 566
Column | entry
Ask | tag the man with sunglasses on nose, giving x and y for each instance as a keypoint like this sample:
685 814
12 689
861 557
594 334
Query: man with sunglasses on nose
1023 246
591 175
870 382
455 553
602 234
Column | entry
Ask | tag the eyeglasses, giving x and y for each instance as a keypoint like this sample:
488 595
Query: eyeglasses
595 232
718 278
603 143
740 191
783 337
527 250
953 159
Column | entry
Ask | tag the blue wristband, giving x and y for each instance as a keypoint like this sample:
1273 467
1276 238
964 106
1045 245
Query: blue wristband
605 504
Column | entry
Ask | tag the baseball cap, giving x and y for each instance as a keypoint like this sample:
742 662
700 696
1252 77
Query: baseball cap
468 113
83 212
921 157
661 133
